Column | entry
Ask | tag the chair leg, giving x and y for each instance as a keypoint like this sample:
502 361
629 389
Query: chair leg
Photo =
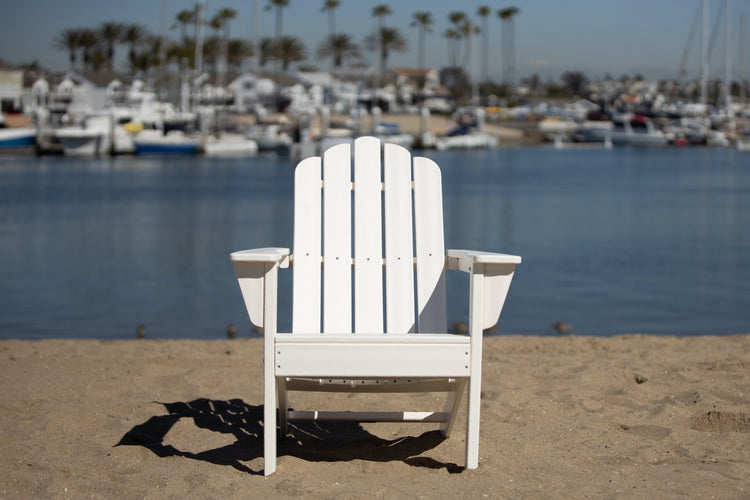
451 407
283 405
269 425
472 423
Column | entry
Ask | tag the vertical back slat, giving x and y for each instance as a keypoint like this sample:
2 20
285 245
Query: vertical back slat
399 267
430 252
337 240
307 247
368 243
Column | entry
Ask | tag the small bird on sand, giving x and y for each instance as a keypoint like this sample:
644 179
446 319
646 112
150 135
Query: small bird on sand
231 331
140 332
561 328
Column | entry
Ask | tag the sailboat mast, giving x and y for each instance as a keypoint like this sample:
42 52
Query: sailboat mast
704 53
742 59
728 60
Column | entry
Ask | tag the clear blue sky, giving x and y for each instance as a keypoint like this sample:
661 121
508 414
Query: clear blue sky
597 37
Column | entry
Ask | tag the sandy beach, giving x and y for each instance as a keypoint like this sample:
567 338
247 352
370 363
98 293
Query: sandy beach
632 416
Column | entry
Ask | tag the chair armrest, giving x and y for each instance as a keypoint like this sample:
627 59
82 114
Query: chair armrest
463 260
256 272
276 255
494 272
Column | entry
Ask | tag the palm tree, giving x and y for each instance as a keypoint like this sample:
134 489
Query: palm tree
237 51
279 4
110 32
467 30
289 49
133 35
484 12
389 39
87 40
267 50
422 20
508 43
211 52
456 18
222 18
379 12
219 21
452 36
178 52
330 6
339 47
69 40
184 19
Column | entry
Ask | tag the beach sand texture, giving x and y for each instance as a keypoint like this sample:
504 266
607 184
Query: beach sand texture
631 416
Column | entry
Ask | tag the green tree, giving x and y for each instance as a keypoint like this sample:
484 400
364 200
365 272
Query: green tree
379 12
338 47
484 12
110 33
185 18
423 21
221 22
468 29
387 41
454 35
267 50
508 43
69 40
133 35
88 40
575 81
330 7
279 5
237 52
289 49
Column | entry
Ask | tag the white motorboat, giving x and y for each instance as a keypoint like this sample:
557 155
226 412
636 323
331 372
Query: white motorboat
627 130
228 144
91 137
472 140
98 134
553 126
271 137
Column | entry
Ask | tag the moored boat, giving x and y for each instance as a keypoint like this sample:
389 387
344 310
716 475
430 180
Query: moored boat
626 130
17 138
173 142
90 138
229 145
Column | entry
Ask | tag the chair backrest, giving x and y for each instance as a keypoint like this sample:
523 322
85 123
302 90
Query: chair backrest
379 237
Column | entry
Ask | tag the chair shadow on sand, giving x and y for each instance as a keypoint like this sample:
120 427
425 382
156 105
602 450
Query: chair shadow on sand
311 441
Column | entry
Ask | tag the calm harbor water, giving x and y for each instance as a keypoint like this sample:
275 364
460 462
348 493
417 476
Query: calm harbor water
613 241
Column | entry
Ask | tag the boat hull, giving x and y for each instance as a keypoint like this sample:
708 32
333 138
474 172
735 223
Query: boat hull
175 149
81 144
173 143
16 138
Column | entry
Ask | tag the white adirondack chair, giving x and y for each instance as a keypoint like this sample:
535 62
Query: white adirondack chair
344 338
